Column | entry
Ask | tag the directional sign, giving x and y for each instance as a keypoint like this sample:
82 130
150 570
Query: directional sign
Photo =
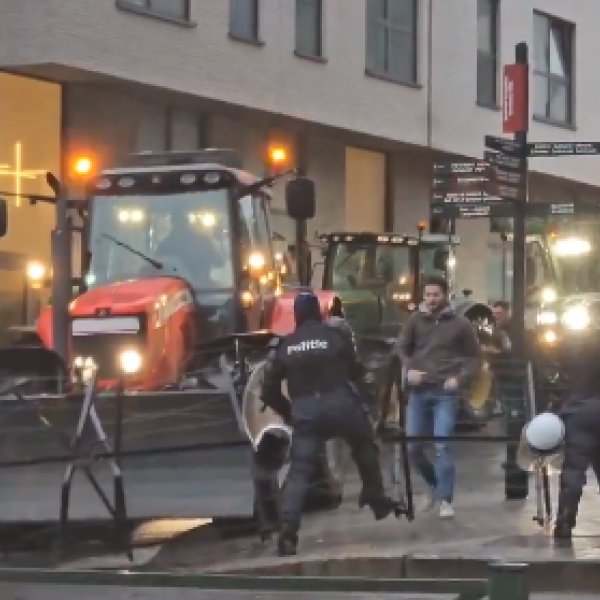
463 197
505 146
460 168
459 184
538 149
484 210
508 192
508 178
506 163
556 209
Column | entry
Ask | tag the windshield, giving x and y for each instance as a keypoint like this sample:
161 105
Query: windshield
369 266
577 263
184 234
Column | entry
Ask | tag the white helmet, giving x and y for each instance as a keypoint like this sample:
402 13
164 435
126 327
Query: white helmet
541 442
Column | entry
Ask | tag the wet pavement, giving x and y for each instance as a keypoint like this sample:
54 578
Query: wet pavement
347 542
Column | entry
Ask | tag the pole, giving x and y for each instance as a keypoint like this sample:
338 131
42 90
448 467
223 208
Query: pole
516 480
61 277
302 253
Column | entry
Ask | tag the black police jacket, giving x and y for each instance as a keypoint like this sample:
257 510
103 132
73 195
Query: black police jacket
316 358
579 359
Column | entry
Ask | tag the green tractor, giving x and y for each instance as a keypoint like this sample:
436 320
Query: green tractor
377 279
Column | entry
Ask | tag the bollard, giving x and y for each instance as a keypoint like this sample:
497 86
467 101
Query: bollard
508 581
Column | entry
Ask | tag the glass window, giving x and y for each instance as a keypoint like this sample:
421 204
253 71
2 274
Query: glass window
309 27
487 51
369 266
392 39
553 54
188 234
243 18
180 9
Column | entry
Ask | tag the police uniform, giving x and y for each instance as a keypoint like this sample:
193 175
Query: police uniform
580 356
318 362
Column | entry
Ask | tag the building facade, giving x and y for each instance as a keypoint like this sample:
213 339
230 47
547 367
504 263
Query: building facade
367 93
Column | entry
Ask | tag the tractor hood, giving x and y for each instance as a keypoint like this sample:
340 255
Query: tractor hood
127 297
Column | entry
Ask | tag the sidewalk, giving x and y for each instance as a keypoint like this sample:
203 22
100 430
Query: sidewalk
486 528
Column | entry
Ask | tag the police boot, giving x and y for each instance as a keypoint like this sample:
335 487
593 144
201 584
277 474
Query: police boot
564 524
381 507
288 541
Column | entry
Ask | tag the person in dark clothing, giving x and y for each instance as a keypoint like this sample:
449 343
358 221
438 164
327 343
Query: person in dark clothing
195 249
319 363
440 355
579 360
498 353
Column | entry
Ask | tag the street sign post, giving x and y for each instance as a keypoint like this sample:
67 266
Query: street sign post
542 149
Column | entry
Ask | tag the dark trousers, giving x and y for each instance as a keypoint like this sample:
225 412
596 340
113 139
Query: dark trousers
582 450
340 414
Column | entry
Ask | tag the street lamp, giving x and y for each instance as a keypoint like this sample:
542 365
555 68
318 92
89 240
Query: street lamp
35 279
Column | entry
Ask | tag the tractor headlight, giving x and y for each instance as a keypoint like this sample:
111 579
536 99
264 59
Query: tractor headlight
84 368
549 295
547 317
131 362
576 318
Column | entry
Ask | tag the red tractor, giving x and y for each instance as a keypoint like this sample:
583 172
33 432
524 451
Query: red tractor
180 296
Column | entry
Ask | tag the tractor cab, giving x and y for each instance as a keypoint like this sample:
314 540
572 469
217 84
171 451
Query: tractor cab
197 217
378 275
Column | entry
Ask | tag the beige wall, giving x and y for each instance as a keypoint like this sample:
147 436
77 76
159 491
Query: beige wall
29 146
365 190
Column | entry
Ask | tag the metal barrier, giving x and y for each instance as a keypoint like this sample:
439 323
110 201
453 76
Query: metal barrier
518 389
505 582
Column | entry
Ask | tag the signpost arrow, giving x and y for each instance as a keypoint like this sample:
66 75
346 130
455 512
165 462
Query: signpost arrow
505 146
458 184
540 149
460 168
506 163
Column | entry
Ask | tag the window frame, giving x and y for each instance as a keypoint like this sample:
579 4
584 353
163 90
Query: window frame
492 57
568 82
387 25
320 50
148 10
252 35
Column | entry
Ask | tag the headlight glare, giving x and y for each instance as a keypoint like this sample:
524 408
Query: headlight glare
131 362
547 318
576 318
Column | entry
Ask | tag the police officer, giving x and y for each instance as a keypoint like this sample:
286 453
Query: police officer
318 363
579 360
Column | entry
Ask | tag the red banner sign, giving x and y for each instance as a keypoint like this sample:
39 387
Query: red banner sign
515 111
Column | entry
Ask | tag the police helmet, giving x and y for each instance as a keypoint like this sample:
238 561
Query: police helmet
541 441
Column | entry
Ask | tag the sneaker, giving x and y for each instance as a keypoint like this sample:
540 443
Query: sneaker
446 510
428 502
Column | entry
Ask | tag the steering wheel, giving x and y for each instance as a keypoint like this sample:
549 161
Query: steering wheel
175 266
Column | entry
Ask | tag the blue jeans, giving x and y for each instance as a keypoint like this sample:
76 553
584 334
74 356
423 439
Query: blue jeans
442 407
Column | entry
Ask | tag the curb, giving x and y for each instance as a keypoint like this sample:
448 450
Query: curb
581 576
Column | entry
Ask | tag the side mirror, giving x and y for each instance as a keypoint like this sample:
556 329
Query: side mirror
300 198
440 259
3 217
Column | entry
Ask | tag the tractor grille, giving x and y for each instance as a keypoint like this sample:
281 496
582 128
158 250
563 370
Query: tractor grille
105 347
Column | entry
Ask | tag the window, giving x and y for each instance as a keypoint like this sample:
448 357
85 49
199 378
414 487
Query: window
243 19
553 69
176 9
392 39
309 28
487 51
